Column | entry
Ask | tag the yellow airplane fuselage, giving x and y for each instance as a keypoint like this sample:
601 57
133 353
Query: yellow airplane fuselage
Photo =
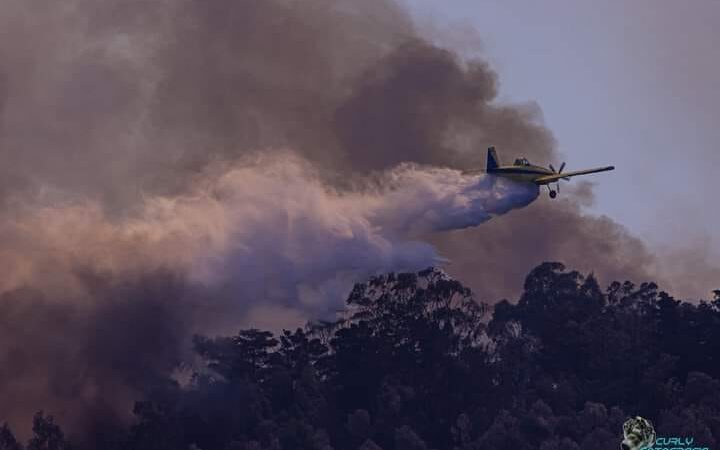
528 174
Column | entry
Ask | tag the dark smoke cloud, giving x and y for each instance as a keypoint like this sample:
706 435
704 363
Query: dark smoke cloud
495 258
85 357
120 119
119 98
255 74
422 103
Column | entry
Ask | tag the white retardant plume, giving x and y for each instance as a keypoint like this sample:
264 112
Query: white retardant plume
266 230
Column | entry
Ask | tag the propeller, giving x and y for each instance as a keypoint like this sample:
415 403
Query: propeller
562 166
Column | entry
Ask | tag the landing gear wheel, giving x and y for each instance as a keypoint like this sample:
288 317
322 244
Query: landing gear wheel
553 194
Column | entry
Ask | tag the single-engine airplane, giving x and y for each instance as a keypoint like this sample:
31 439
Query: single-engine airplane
523 171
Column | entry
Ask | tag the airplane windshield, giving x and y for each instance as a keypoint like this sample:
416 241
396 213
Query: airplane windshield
522 162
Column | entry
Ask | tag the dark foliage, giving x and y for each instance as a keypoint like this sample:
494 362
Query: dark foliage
415 365
7 439
47 435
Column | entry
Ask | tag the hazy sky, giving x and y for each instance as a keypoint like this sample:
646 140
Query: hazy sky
635 84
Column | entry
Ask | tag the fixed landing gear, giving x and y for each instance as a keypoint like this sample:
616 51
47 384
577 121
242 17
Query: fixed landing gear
553 193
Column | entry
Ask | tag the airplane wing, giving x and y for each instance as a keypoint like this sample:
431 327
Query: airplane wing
552 178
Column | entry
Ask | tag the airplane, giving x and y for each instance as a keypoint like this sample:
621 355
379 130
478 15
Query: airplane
523 171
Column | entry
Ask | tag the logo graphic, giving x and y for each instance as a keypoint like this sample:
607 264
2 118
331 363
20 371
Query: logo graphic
638 433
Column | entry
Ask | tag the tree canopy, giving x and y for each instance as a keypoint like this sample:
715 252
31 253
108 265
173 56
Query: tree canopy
416 362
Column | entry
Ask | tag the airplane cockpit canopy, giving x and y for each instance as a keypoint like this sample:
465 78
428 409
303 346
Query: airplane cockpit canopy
522 162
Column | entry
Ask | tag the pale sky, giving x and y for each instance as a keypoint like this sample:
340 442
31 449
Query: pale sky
634 84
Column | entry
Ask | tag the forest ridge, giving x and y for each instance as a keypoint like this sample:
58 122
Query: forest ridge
417 363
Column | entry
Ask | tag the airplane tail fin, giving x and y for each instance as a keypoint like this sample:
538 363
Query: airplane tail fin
492 159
